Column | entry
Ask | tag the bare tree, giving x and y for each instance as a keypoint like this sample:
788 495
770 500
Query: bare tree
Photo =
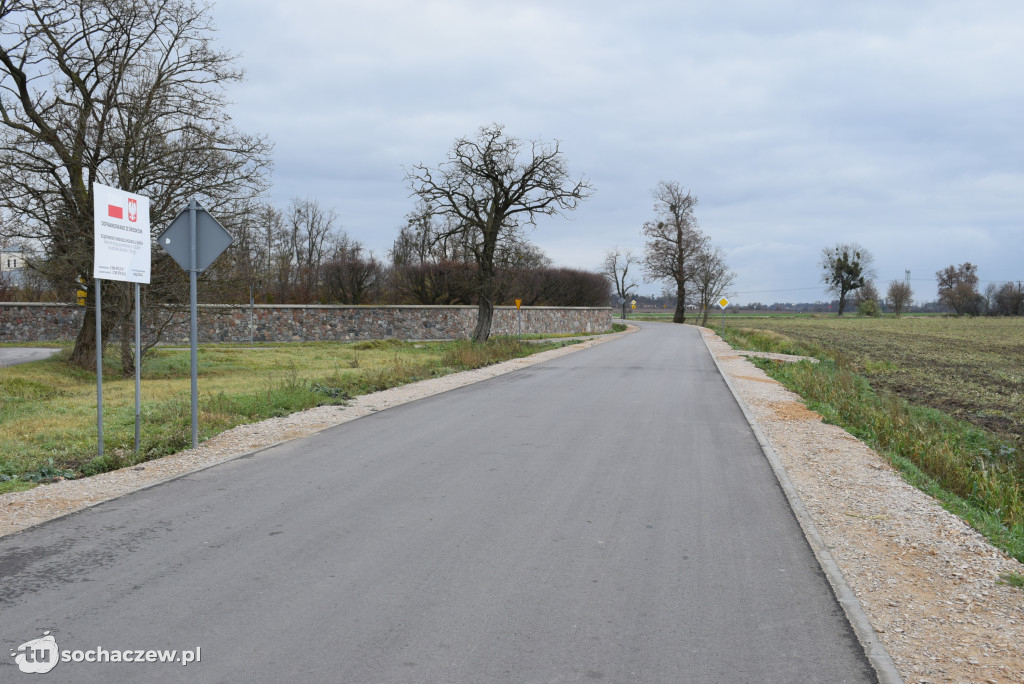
351 274
988 299
1009 299
958 288
124 92
900 296
616 266
866 293
673 241
711 278
489 187
845 268
310 229
415 243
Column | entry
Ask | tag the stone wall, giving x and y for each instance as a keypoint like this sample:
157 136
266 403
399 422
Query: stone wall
20 322
39 322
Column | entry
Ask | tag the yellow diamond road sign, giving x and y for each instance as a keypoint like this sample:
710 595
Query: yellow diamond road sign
723 302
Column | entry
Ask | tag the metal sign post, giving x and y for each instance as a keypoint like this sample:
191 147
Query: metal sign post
99 370
138 368
519 319
723 302
252 319
194 240
193 328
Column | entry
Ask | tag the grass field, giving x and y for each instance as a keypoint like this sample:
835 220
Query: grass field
48 408
940 397
970 368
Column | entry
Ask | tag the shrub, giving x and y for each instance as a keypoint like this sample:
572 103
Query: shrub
869 307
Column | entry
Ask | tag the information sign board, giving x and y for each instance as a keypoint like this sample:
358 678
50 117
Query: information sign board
121 235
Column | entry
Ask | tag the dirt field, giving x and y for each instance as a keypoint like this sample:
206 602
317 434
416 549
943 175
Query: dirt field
971 368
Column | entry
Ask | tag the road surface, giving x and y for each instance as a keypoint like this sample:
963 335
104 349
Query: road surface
12 356
605 516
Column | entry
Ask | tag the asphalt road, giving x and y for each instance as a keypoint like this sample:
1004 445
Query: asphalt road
12 356
606 516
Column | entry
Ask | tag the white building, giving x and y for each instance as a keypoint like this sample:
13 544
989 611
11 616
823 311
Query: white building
11 259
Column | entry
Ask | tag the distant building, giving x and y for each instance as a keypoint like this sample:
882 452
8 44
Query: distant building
11 259
12 265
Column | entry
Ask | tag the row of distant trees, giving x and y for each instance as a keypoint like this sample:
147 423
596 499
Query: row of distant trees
847 270
303 256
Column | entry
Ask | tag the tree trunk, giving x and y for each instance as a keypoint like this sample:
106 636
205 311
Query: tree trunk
487 288
680 314
84 353
483 320
127 347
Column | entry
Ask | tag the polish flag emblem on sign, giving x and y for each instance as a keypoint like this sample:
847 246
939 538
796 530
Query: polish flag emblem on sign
114 211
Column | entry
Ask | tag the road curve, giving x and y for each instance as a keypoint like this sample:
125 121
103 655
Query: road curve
605 516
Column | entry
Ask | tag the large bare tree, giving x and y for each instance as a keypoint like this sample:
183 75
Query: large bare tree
490 187
128 93
673 241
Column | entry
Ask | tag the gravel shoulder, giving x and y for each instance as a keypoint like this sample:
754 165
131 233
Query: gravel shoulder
928 583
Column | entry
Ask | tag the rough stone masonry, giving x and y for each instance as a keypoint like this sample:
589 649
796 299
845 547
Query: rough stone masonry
31 322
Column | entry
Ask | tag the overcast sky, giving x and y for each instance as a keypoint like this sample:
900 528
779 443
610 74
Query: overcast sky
798 124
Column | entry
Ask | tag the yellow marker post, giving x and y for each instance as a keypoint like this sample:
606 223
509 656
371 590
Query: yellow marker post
519 319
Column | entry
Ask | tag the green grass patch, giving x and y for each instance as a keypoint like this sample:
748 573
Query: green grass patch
48 408
1012 579
769 341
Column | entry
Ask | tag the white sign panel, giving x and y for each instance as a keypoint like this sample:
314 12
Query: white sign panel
121 235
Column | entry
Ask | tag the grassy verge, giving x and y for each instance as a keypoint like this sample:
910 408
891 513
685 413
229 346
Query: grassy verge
48 408
971 471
